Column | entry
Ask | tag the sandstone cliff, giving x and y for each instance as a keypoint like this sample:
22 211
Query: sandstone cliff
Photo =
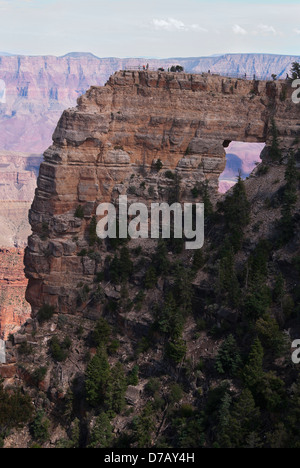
109 144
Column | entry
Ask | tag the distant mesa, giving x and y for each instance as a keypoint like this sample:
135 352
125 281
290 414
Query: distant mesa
80 55
6 54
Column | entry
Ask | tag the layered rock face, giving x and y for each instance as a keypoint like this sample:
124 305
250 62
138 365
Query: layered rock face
109 145
15 227
18 175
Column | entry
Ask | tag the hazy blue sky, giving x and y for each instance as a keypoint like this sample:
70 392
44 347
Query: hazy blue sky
153 28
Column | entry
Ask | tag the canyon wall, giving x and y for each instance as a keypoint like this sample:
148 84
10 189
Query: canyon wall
14 310
18 174
109 145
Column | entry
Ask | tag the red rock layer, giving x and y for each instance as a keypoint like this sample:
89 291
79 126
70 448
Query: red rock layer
14 310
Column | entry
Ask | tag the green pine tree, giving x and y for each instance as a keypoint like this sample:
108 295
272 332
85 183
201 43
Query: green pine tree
253 371
115 395
150 278
270 335
244 421
198 260
228 360
101 333
236 209
97 378
184 289
228 285
160 260
101 434
295 70
126 265
286 224
144 425
223 436
170 320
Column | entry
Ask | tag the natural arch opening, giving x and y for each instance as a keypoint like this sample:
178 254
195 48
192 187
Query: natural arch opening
240 157
226 143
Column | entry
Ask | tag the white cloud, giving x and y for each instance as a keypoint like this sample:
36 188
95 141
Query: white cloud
172 24
58 26
239 30
196 27
265 29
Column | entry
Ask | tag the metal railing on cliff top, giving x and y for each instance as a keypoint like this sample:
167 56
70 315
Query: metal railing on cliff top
241 76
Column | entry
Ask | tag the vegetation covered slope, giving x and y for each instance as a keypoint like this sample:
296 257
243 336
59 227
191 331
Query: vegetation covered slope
174 348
